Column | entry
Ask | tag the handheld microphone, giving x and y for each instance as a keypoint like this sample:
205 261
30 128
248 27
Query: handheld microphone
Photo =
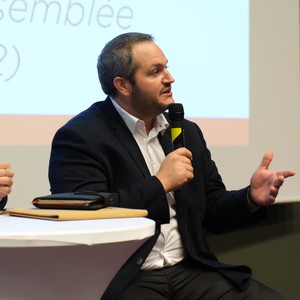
176 115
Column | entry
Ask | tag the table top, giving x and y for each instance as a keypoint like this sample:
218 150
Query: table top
27 232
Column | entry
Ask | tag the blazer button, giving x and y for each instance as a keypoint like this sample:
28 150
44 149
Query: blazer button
139 261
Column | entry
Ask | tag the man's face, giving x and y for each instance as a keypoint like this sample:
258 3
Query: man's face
151 93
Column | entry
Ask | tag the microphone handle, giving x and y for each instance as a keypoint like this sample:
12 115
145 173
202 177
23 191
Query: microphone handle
177 134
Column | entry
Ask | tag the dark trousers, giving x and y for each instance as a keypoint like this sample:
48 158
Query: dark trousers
187 282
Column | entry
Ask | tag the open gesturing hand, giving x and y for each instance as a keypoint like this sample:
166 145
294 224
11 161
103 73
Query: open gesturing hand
265 184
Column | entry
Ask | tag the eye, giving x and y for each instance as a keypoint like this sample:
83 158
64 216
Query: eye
157 70
154 72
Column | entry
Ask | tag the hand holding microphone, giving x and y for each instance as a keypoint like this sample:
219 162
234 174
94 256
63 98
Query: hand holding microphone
176 169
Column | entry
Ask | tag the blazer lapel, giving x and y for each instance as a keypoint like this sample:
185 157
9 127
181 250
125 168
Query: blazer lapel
165 141
122 132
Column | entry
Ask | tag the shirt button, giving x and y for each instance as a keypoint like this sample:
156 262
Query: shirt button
139 261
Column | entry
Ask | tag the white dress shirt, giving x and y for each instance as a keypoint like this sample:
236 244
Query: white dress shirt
168 249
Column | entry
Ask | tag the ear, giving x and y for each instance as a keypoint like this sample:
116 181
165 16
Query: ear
123 86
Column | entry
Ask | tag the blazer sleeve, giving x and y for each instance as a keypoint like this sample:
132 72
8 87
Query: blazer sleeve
80 162
224 209
3 202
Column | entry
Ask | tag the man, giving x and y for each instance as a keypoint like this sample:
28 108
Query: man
6 181
123 145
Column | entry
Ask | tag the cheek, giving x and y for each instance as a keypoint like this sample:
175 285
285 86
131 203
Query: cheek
155 87
149 87
151 90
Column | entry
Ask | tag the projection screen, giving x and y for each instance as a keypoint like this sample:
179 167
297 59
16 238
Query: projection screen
235 62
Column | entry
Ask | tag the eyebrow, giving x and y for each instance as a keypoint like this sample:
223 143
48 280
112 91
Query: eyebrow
159 64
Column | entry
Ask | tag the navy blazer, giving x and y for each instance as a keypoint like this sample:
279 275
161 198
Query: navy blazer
95 151
3 202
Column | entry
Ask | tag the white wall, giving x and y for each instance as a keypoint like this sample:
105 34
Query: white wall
274 97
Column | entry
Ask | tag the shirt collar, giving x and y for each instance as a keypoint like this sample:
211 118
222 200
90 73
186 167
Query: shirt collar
160 124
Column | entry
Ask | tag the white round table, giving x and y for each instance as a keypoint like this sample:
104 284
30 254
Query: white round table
61 260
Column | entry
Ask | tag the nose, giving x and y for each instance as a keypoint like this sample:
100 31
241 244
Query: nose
168 78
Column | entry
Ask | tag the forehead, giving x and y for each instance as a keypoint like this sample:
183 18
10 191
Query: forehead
148 53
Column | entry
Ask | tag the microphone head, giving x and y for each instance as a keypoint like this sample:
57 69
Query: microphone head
176 112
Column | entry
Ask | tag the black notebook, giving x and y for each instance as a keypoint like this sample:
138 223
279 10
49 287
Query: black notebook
76 200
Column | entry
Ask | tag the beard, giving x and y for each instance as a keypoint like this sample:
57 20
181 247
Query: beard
145 104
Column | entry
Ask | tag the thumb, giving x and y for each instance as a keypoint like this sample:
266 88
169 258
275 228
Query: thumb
267 158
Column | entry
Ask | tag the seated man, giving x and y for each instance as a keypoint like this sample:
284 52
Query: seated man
123 145
6 181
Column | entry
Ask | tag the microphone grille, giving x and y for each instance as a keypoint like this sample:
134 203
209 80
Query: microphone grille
176 112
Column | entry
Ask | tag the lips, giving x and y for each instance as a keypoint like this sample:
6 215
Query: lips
166 90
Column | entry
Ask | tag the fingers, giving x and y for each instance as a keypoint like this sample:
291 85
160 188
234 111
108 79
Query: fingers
274 190
184 152
4 191
267 158
176 169
278 182
286 173
266 161
184 156
6 179
5 172
4 166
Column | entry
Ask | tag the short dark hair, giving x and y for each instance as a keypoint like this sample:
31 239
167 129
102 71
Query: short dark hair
116 60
